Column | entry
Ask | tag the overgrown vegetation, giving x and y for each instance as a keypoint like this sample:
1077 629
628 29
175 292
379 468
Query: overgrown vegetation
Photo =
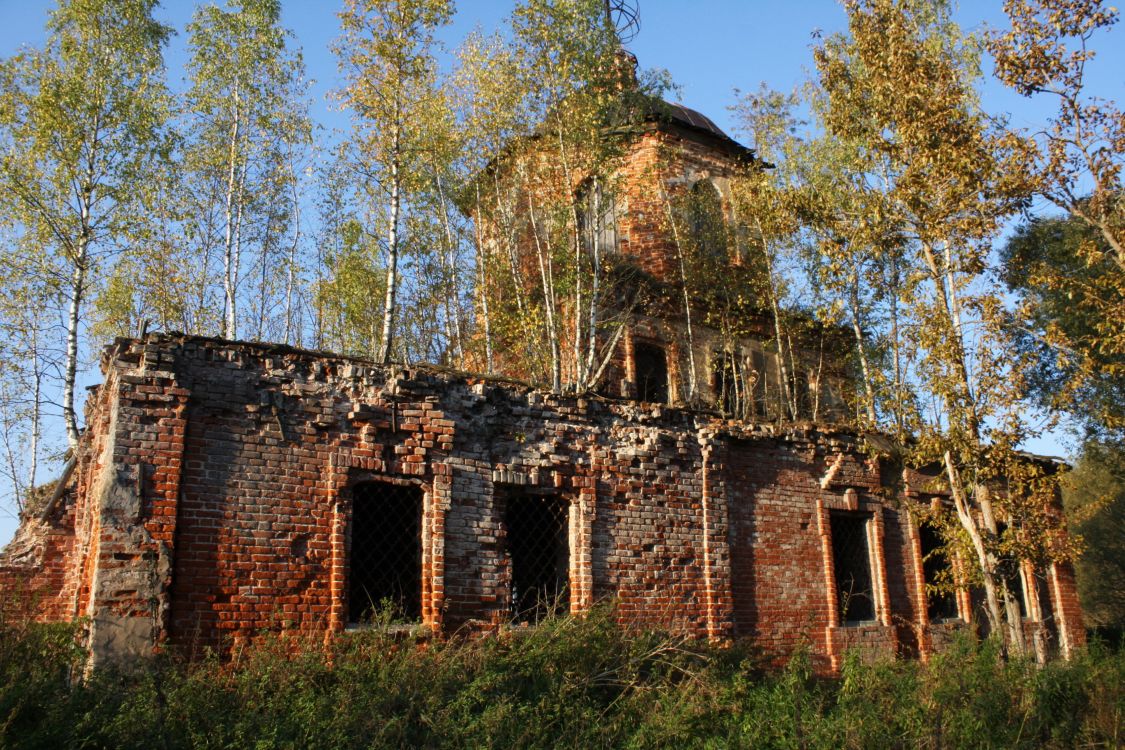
480 199
568 683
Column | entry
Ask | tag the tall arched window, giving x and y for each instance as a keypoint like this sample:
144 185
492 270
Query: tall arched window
597 217
705 220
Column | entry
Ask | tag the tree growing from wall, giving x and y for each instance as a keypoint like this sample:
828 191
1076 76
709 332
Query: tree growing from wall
906 70
246 121
387 57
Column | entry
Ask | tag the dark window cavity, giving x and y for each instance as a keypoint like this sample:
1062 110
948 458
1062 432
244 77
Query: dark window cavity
940 598
538 545
385 563
855 599
729 385
651 367
758 359
1043 592
1014 581
1010 572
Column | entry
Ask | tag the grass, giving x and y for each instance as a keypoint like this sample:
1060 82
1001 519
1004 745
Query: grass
567 683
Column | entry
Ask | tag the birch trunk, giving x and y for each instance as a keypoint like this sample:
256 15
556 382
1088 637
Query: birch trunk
861 349
546 274
595 282
449 271
783 373
896 348
291 275
692 375
384 355
36 410
230 251
77 292
1002 607
482 287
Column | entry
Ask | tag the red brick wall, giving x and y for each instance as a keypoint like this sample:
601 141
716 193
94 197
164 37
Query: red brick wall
213 497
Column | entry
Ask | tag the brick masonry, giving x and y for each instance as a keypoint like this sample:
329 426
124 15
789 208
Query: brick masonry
212 498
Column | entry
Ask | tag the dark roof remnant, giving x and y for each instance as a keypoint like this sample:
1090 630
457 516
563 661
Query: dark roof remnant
690 119
687 116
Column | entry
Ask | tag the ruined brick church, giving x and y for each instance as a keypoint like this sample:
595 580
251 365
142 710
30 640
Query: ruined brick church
225 489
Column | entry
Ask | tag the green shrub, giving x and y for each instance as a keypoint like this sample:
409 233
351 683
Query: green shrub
570 682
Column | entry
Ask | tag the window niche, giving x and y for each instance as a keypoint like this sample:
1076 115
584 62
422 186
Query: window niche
1011 572
1043 595
385 553
851 562
537 543
706 224
597 217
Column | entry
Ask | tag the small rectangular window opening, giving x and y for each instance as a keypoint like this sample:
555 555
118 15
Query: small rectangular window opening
651 367
538 545
938 573
855 598
385 565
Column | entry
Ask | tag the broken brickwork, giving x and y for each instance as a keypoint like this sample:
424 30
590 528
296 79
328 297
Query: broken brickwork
214 500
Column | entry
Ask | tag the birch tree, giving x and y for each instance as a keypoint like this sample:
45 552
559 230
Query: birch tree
386 55
764 199
905 67
1078 158
1076 161
581 94
489 107
81 126
30 363
245 106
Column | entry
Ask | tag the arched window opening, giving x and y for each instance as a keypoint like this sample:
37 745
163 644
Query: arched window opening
385 559
706 225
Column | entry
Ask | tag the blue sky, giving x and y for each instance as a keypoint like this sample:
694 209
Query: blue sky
710 47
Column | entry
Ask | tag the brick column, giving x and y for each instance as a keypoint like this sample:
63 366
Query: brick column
439 499
716 545
917 579
1068 613
333 481
824 527
883 600
134 509
582 514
